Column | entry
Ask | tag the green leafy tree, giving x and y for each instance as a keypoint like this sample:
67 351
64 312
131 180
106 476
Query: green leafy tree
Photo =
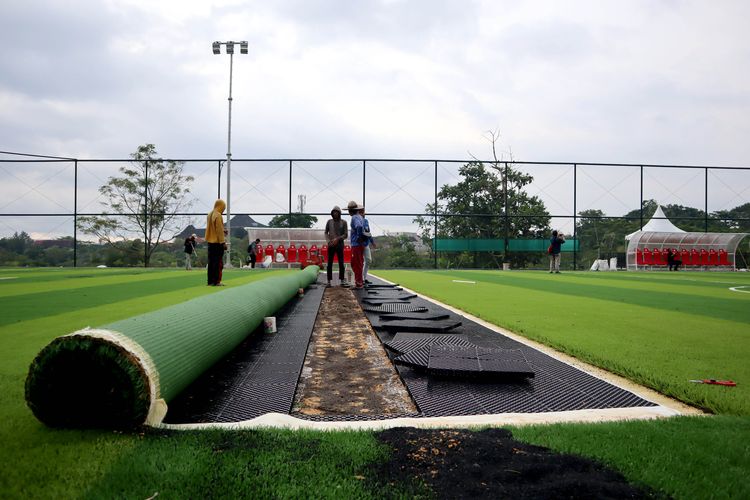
732 219
142 202
480 197
297 220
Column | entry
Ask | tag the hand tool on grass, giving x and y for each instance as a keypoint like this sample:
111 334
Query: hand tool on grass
711 381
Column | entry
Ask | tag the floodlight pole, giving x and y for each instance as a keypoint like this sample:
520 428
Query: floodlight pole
229 167
230 50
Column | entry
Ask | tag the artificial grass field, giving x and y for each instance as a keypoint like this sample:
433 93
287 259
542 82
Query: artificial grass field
659 329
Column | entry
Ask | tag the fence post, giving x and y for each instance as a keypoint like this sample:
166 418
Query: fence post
575 215
706 201
145 218
75 213
435 215
505 209
289 222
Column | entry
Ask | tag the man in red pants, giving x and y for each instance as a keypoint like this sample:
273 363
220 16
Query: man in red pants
357 240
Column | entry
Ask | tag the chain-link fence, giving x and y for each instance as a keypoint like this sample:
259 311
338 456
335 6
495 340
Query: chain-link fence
423 213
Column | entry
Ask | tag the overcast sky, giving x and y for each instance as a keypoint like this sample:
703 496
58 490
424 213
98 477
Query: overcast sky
587 81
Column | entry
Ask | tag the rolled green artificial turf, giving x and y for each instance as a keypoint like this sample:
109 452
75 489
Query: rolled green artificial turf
122 374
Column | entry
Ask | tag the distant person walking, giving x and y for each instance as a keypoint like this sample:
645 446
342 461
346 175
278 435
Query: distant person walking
216 243
189 251
252 252
336 231
369 245
554 252
357 241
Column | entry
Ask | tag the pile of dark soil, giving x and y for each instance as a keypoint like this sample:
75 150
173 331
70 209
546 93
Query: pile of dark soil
491 464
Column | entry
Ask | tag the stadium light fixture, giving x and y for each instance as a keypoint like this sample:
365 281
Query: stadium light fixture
230 50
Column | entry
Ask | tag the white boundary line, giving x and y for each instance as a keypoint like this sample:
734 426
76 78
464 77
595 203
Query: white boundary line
737 288
667 407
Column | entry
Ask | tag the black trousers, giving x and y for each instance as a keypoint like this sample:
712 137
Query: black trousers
338 251
253 258
215 256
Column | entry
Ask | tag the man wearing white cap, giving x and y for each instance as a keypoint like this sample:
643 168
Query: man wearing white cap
357 240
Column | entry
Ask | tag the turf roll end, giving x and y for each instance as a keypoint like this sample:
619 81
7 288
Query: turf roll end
122 374
92 378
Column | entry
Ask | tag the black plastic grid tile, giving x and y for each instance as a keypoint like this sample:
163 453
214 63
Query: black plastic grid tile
419 326
260 376
413 316
387 300
394 307
399 346
379 295
467 361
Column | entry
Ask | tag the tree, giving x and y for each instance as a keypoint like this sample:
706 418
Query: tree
476 207
297 220
144 202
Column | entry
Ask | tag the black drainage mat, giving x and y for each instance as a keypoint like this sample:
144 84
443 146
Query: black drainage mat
420 326
556 386
379 295
413 316
377 286
259 376
402 344
385 300
394 307
460 361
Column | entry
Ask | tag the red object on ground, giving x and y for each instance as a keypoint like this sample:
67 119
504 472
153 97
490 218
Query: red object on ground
302 253
347 254
710 381
292 254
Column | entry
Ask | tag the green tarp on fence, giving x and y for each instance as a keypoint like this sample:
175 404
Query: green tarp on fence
497 245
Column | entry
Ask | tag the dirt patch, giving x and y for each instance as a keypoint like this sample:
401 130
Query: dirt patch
346 371
491 464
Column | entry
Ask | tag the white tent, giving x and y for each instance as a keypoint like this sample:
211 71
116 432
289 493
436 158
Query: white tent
659 224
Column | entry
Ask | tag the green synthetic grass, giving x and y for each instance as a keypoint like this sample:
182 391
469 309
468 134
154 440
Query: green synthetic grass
207 464
658 329
688 457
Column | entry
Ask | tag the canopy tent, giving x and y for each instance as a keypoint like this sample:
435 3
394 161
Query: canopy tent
658 223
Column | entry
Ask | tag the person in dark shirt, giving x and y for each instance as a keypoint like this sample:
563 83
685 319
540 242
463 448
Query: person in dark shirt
554 252
252 252
672 260
189 251
336 230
